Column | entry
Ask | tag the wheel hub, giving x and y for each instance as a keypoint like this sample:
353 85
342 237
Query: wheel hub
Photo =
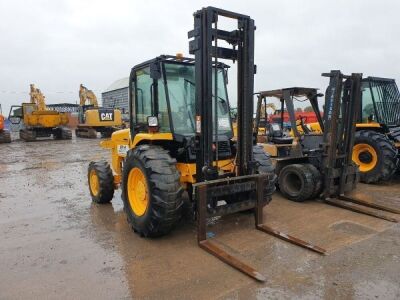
94 183
137 191
365 157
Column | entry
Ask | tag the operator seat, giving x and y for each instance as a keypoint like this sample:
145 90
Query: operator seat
277 136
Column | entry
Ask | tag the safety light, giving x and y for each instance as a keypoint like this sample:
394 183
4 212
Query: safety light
179 55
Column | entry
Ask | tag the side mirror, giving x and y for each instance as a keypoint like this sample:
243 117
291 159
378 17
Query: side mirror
155 72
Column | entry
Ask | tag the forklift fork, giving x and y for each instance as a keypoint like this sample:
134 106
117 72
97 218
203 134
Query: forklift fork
360 206
203 191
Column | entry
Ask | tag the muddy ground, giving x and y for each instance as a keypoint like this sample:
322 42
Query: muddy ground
56 244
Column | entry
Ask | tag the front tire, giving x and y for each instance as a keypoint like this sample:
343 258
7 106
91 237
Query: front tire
151 190
375 155
265 166
296 182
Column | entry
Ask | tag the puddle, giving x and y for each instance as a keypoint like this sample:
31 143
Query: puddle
352 228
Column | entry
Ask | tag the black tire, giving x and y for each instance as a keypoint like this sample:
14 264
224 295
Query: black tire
265 166
317 181
386 156
296 182
105 182
164 190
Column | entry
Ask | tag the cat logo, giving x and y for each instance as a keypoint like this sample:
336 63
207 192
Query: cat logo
106 115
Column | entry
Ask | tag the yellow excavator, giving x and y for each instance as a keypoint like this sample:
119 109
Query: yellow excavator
94 119
37 120
5 136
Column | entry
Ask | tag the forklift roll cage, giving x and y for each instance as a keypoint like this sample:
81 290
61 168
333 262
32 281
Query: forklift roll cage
157 72
384 98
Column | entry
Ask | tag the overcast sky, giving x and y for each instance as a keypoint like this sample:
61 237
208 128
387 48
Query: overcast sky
59 44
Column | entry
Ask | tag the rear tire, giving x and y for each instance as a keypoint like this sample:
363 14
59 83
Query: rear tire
376 156
160 180
296 182
101 182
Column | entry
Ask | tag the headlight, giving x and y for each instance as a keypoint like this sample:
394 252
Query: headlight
152 121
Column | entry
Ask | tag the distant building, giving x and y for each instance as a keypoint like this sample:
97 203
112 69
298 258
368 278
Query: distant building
116 95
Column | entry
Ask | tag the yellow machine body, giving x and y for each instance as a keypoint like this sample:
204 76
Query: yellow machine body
42 118
120 143
97 118
372 125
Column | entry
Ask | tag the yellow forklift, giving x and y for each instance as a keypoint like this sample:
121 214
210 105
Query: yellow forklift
94 119
37 121
181 139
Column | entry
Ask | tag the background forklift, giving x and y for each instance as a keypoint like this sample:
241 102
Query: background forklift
94 119
377 137
5 136
319 165
378 130
37 120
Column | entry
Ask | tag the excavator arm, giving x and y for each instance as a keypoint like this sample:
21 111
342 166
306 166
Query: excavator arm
37 98
86 95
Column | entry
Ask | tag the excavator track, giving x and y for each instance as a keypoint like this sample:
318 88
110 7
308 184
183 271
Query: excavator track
62 133
86 132
66 134
5 136
27 135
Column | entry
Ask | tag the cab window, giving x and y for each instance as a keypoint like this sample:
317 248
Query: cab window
143 95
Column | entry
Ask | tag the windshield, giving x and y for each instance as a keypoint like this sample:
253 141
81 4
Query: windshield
181 91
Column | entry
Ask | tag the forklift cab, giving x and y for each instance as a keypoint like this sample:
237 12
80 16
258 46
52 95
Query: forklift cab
162 100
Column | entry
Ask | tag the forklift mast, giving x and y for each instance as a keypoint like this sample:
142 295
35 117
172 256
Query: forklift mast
206 37
342 99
